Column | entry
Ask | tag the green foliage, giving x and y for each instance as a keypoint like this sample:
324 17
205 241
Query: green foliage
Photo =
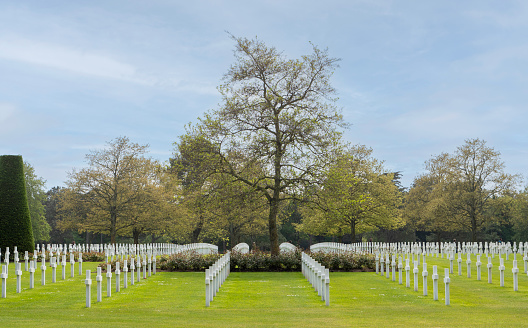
357 195
187 261
291 261
36 199
345 261
277 115
460 190
15 219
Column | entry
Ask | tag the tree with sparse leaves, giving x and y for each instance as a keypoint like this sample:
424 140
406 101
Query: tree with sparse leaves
460 188
279 114
120 193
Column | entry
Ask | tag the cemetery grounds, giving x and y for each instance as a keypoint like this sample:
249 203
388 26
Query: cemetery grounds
270 299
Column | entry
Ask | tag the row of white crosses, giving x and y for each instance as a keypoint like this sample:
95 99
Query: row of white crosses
215 277
31 266
59 251
382 265
99 277
423 249
317 275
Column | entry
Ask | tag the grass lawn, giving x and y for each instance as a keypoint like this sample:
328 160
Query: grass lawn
270 299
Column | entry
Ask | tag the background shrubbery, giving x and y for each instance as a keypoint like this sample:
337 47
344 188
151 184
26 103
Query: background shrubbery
262 262
187 261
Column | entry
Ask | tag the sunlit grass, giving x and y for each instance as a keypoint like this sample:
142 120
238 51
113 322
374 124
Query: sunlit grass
270 299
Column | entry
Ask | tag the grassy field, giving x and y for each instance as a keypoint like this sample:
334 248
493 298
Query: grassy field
270 299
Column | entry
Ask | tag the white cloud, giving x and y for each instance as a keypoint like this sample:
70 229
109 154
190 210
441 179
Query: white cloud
64 58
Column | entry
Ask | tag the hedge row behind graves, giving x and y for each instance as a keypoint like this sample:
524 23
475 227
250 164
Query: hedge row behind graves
265 262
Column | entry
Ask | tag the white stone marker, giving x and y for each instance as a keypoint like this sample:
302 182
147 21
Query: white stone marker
132 267
382 263
415 271
468 262
80 263
18 272
400 268
4 280
207 288
387 271
43 270
99 279
125 278
108 280
515 271
479 264
72 265
63 263
451 258
31 275
53 269
407 274
26 259
88 283
435 283
118 277
393 265
459 260
138 268
149 266
144 266
447 280
154 263
525 259
35 260
327 287
377 263
501 269
424 275
489 266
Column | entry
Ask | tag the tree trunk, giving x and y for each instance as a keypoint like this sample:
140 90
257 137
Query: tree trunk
135 234
272 221
353 231
196 232
113 224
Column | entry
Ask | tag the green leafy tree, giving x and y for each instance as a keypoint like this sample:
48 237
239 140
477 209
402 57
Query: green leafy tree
358 195
15 218
463 186
120 193
278 113
36 197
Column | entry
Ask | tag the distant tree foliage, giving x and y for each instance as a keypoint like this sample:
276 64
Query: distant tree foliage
120 193
36 197
358 195
459 190
15 218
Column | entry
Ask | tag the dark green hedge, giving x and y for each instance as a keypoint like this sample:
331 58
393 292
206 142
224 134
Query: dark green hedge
15 220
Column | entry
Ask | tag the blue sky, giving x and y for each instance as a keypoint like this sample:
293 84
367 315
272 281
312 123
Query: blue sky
417 78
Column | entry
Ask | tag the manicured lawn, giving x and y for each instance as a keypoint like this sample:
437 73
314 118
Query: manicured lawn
270 299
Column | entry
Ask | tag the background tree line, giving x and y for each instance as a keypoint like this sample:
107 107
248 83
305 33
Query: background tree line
270 165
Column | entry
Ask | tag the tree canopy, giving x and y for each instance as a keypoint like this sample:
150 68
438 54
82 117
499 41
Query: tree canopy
122 192
458 190
279 115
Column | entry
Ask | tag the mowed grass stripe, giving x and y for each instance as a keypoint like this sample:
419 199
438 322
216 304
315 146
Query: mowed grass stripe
271 300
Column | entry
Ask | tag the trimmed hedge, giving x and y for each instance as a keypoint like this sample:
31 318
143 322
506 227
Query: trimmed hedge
263 262
187 261
15 220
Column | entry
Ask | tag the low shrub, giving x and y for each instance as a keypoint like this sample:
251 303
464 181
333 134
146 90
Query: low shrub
187 261
291 261
345 261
